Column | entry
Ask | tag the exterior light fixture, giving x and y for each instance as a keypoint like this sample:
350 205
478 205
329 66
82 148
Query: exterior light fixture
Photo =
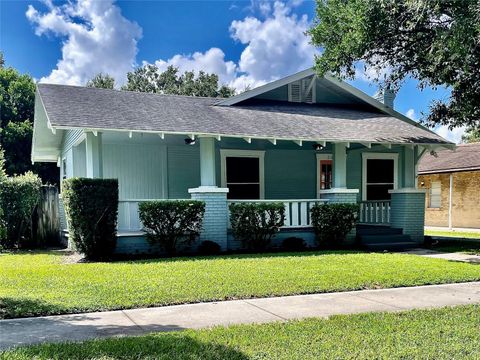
189 141
318 147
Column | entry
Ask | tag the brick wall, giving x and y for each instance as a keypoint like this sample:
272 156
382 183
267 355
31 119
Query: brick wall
465 199
407 212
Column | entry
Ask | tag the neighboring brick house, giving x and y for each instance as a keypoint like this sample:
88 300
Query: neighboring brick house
452 181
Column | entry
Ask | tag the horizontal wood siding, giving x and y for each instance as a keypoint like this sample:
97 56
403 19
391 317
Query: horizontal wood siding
139 168
70 138
183 170
290 174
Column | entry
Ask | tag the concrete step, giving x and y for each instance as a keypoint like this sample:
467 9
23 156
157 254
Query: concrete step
392 246
378 230
383 238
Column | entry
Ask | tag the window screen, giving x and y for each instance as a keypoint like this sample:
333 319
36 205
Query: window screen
243 177
380 178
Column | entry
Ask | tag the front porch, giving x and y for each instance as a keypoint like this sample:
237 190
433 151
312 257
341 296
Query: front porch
220 171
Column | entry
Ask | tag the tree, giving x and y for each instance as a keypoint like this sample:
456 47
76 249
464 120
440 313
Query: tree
17 102
471 135
102 81
434 41
148 78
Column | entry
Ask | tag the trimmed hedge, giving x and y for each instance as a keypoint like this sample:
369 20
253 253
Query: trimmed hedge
18 197
332 222
91 206
172 222
255 224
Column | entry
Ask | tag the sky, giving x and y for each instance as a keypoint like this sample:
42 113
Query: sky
247 43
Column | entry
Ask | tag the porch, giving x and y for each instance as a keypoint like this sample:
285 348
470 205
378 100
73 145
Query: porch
297 173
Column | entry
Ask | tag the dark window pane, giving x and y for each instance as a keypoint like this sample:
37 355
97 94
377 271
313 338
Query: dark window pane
380 171
378 192
242 170
244 192
326 175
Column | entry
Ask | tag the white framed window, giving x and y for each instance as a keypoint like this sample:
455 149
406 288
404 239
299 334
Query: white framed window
435 195
379 174
324 172
242 171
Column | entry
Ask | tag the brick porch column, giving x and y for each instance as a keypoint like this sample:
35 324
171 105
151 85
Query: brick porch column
407 211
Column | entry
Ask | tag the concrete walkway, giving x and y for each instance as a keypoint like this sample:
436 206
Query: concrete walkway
454 256
139 321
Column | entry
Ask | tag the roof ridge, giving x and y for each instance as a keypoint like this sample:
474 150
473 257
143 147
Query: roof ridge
129 91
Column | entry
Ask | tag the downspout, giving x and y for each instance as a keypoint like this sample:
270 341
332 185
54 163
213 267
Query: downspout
450 202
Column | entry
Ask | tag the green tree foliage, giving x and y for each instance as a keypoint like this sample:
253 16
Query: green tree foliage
471 135
434 41
17 102
102 81
148 78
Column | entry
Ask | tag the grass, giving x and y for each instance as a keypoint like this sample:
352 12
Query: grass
471 247
448 333
33 284
455 234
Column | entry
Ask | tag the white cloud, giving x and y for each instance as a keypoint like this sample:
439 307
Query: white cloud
454 135
275 46
97 39
211 61
411 114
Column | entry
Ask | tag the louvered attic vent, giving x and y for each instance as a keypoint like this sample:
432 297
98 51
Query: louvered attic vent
302 91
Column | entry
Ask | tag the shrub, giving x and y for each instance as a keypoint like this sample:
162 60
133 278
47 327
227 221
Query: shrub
18 197
208 247
91 206
332 222
171 222
254 224
294 244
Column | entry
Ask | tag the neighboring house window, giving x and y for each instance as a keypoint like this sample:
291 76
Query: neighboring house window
242 173
379 175
435 194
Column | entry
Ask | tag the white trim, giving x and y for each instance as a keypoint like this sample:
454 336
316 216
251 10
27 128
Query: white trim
407 191
376 155
340 191
317 162
208 190
260 154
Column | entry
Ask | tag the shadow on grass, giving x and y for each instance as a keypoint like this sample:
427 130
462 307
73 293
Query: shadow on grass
16 307
179 345
464 245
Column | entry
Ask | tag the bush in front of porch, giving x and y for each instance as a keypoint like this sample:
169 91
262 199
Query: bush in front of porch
91 206
332 223
171 222
254 224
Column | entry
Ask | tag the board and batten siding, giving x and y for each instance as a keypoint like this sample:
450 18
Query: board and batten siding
183 170
139 168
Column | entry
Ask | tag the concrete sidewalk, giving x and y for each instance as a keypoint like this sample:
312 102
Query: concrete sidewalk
454 256
139 321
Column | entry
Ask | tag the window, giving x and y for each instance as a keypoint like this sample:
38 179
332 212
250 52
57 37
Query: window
325 174
379 175
435 195
242 173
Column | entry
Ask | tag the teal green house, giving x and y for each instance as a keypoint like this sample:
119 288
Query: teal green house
299 140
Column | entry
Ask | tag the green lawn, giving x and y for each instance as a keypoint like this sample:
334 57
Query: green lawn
451 233
449 333
44 283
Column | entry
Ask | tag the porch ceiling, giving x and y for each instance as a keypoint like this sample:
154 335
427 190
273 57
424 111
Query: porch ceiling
70 107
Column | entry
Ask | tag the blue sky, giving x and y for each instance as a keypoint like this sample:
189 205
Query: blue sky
247 43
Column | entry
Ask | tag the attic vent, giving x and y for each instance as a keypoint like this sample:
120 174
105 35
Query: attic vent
302 91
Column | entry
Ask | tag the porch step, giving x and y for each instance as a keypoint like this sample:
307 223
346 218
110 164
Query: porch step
383 238
396 246
364 230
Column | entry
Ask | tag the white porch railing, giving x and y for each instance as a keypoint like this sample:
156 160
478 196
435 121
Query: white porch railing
297 211
375 212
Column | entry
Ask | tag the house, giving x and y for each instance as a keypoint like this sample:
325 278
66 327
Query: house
299 140
452 182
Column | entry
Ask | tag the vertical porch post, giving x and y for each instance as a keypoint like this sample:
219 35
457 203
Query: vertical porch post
94 155
215 221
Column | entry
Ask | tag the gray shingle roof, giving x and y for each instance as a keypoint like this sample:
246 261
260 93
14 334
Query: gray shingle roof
80 107
465 157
